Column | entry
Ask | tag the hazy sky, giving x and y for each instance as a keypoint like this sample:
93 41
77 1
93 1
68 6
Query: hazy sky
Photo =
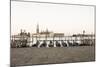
66 19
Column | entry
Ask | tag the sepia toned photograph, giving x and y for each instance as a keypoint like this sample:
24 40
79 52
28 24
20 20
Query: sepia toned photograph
51 33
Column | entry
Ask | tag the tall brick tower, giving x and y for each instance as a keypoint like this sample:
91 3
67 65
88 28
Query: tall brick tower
37 30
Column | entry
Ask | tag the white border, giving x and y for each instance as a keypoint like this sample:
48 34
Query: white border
5 33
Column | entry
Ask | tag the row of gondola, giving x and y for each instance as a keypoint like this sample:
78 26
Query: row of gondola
58 44
49 44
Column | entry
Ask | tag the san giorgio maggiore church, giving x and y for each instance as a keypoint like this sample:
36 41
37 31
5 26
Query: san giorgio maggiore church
46 33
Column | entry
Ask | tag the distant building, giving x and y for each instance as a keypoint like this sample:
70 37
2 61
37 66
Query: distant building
22 39
47 33
59 34
88 39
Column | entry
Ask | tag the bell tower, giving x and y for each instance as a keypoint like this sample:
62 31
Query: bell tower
37 30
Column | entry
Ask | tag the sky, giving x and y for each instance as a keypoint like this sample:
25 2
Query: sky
68 19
